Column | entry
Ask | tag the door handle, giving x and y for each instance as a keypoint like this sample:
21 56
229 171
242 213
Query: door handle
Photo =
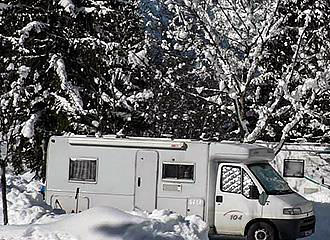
77 193
219 199
139 181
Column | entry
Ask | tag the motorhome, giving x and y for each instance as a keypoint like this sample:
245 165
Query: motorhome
232 186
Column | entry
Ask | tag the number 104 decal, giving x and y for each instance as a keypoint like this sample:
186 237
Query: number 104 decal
234 215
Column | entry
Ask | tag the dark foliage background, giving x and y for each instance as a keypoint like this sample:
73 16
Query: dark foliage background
193 69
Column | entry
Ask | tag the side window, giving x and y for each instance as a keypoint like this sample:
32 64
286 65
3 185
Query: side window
294 168
247 182
83 169
178 171
231 179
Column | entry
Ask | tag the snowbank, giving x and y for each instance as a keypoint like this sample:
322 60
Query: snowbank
26 206
24 199
104 223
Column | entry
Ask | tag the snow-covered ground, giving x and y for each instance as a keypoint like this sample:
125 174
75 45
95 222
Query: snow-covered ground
31 219
104 223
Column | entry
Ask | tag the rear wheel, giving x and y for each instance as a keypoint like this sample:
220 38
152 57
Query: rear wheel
261 231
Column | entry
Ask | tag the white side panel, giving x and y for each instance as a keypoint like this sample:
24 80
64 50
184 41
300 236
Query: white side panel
66 201
115 168
70 204
125 203
146 180
62 202
178 205
195 207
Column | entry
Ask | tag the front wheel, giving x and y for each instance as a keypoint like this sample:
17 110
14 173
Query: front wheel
261 231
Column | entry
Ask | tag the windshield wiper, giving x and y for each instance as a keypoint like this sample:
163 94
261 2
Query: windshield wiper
280 192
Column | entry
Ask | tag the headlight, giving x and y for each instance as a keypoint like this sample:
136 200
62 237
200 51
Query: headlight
292 211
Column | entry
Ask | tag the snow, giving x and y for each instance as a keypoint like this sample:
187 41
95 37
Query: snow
138 58
30 218
95 124
32 26
10 67
58 64
23 72
68 6
3 6
322 196
64 104
28 127
316 165
102 223
25 202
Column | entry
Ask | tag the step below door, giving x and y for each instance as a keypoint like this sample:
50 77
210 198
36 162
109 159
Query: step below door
146 180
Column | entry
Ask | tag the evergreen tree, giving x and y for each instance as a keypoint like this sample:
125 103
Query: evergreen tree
84 72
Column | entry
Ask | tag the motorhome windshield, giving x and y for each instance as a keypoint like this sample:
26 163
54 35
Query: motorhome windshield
272 182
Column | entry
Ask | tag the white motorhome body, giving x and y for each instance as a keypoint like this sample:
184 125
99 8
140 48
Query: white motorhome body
221 182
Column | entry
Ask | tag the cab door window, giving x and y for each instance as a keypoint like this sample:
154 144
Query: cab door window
231 179
236 180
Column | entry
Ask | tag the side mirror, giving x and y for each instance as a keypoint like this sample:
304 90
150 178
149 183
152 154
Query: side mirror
263 198
254 192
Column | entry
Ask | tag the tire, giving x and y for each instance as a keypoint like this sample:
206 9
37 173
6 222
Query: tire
261 231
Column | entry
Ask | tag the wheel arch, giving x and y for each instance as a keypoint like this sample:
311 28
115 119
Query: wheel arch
249 224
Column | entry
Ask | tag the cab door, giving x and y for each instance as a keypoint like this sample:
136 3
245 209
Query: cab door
234 207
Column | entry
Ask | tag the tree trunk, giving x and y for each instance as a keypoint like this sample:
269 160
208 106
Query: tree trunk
279 146
239 115
4 193
44 156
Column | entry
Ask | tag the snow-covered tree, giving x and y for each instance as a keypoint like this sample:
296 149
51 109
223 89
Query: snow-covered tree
180 76
84 62
263 62
114 85
14 109
220 69
305 83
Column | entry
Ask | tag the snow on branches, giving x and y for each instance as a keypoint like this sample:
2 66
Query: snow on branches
266 56
57 63
68 6
35 26
28 126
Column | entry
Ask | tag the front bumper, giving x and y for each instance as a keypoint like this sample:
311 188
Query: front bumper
295 228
